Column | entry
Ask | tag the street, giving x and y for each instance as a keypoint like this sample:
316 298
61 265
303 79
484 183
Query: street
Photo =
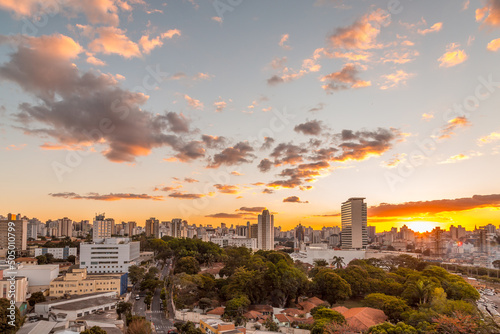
155 315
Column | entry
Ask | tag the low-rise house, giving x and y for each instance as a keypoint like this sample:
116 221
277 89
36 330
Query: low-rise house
218 311
362 318
253 316
282 320
217 326
26 261
264 309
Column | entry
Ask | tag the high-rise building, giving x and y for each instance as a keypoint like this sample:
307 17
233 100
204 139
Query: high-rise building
130 228
371 232
20 232
457 232
65 227
103 227
178 228
354 224
152 227
265 234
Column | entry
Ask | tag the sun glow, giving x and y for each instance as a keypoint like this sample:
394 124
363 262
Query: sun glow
422 226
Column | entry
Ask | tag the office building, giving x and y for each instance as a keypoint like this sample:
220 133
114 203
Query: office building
178 228
354 224
265 236
20 232
39 276
65 227
152 224
113 255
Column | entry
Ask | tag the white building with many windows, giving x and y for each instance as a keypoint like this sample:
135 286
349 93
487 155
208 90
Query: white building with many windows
113 255
354 224
59 253
229 240
265 232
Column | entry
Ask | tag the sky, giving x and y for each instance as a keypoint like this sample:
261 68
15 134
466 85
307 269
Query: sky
211 111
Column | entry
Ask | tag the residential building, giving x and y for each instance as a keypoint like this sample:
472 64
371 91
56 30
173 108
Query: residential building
178 228
59 253
20 232
152 224
113 255
354 224
103 227
21 287
65 227
265 236
217 326
78 282
225 241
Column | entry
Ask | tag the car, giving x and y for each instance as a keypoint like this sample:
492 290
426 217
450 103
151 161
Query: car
137 297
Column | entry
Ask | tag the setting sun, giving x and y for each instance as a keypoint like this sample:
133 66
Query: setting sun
422 226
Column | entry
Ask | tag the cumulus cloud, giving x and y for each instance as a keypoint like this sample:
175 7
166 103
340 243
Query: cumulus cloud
268 142
344 79
254 209
108 197
362 34
409 209
293 199
265 165
288 154
489 14
311 128
214 141
492 137
238 154
453 56
220 105
395 161
494 45
283 40
448 130
227 189
393 80
96 11
78 108
190 180
193 103
434 28
455 159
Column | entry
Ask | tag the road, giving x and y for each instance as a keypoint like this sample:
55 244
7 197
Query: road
156 316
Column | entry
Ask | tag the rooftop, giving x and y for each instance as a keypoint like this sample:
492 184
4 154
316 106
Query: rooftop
86 303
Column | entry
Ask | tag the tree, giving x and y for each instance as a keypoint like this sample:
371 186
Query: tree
7 319
123 308
188 265
338 261
320 263
36 297
94 330
135 273
236 307
187 328
328 314
271 325
419 290
388 328
496 264
42 259
330 286
71 259
148 299
50 257
205 303
139 326
392 306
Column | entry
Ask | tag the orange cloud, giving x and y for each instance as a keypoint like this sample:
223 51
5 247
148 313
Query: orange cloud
111 40
109 197
193 103
494 45
489 13
395 79
180 195
434 28
14 147
453 124
294 199
51 146
362 34
283 40
492 137
455 158
409 209
452 57
344 79
227 189
427 117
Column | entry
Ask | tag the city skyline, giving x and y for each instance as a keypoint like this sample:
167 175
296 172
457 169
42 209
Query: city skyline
206 114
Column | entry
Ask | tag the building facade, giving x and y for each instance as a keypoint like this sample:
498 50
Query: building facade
103 227
265 237
79 282
20 232
59 253
113 255
354 224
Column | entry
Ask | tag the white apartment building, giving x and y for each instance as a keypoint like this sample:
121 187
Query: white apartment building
59 253
103 228
113 255
225 241
265 232
354 224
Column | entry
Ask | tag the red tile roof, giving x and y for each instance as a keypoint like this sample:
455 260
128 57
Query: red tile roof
283 318
307 306
362 318
293 312
253 315
315 300
217 311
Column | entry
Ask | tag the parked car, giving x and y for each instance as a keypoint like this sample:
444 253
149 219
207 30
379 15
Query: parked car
137 297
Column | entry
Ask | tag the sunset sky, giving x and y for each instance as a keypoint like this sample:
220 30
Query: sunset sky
212 110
